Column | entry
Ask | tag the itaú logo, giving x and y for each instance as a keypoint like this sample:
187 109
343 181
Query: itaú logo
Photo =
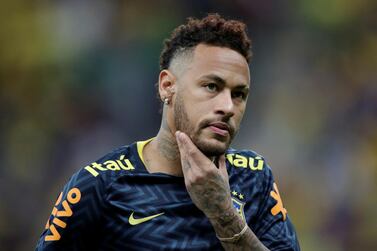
112 165
237 160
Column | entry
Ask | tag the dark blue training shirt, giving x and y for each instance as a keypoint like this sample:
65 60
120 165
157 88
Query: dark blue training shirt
115 204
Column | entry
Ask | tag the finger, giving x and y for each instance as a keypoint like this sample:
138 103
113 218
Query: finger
222 167
180 139
186 147
181 147
191 156
186 165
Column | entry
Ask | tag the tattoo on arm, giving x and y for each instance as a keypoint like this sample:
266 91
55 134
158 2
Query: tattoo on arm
229 224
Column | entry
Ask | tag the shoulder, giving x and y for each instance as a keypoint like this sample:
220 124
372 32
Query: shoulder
116 162
79 208
249 169
119 162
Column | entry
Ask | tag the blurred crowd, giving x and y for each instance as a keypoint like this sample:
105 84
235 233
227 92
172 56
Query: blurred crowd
77 79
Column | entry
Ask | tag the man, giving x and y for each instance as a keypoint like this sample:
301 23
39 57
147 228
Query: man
185 189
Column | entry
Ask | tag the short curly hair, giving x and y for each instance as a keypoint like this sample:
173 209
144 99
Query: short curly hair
211 30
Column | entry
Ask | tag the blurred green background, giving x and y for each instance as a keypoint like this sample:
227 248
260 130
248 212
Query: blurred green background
77 80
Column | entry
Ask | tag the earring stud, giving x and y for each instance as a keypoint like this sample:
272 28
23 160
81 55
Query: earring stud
166 101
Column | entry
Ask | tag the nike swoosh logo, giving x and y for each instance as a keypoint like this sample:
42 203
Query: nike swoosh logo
134 221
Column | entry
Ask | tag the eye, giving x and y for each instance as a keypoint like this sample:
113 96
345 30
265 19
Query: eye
211 87
239 94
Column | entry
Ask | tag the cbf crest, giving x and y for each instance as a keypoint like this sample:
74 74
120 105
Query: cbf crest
238 204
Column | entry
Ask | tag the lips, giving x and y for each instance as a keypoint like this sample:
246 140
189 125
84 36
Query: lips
220 128
220 125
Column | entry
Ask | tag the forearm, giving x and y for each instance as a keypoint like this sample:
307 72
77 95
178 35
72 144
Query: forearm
208 187
230 224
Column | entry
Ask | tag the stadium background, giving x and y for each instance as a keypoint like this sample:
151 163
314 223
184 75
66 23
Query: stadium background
77 80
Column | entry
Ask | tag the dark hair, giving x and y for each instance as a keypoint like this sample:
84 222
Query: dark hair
211 30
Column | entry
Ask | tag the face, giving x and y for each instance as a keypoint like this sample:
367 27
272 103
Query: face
210 97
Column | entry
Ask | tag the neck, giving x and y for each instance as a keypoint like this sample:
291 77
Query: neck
162 153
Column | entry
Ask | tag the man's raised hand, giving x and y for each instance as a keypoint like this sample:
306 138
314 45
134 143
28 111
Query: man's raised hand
207 185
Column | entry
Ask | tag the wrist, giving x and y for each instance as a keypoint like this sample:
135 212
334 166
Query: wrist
229 225
235 237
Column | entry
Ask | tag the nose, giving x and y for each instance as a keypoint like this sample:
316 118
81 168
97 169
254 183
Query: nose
224 104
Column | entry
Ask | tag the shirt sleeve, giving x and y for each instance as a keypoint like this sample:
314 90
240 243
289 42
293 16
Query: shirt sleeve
76 216
275 230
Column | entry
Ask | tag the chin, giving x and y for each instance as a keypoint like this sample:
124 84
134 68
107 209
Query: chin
211 147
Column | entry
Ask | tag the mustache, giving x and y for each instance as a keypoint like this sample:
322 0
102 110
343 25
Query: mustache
207 122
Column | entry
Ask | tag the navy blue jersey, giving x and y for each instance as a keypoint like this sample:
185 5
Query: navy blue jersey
115 204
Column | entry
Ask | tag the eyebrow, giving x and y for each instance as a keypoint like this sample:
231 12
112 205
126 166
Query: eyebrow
215 78
221 81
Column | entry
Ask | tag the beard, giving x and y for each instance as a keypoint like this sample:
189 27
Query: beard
182 123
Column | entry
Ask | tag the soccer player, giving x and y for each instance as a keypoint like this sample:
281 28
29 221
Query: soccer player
184 189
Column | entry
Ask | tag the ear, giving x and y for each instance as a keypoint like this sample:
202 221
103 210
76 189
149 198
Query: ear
166 84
